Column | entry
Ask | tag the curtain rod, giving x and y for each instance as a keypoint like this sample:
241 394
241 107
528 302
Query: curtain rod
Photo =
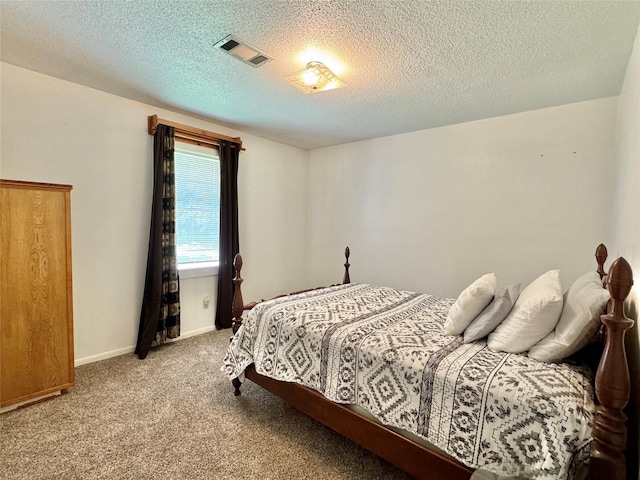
192 134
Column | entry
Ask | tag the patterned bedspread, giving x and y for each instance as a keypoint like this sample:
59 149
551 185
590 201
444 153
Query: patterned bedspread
384 350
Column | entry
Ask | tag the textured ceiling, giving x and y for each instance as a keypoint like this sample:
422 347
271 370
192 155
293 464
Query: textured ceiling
408 65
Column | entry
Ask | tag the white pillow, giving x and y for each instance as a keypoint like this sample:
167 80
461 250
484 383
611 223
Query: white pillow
534 315
469 304
584 303
493 314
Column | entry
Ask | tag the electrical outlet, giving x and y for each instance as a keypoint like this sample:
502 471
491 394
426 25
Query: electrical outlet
206 301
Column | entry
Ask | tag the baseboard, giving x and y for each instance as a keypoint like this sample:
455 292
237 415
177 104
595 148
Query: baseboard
29 402
131 348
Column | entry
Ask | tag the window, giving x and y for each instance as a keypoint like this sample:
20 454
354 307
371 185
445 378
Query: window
197 177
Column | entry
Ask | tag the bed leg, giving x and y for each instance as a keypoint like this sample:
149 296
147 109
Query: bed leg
236 385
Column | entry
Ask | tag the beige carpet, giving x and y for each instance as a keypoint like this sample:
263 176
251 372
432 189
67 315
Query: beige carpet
174 416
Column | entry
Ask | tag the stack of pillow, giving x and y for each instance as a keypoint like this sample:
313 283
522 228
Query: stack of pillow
539 320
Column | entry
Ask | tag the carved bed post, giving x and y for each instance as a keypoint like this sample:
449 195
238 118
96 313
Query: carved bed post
346 278
237 307
601 257
612 383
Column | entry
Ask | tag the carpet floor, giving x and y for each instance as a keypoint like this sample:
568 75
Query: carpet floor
174 416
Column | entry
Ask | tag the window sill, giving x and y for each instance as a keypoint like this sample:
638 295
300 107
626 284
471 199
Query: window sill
195 270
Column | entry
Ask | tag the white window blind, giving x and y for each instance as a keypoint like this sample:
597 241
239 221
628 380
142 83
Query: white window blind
197 177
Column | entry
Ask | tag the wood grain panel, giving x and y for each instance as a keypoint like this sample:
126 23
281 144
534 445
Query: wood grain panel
36 342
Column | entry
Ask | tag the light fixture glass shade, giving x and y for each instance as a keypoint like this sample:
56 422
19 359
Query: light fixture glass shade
317 77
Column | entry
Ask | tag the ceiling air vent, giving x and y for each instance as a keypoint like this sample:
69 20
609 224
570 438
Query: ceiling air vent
243 51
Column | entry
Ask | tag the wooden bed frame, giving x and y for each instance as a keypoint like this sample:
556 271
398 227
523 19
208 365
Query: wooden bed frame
612 386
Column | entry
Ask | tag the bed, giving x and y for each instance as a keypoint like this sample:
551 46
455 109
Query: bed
430 404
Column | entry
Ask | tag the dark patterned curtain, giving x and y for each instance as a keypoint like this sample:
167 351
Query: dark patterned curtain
160 315
229 243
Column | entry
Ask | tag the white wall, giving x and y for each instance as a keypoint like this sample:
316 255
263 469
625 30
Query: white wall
626 212
59 132
432 210
626 215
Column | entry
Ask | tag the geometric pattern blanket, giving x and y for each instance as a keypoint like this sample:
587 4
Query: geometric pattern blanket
384 350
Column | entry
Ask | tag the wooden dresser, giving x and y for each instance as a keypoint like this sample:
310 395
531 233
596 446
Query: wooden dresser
36 305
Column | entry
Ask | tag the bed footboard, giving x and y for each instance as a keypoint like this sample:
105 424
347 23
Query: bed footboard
238 306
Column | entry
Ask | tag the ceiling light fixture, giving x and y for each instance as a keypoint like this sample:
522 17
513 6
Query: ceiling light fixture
317 77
